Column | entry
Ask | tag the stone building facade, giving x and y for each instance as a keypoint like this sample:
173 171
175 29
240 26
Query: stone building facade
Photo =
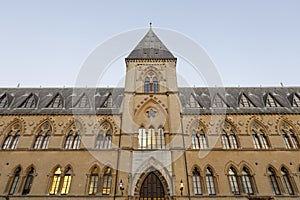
150 140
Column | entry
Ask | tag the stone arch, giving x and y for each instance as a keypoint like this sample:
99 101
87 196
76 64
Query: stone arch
13 122
281 121
101 121
155 70
254 120
229 165
193 122
243 164
144 175
41 122
151 165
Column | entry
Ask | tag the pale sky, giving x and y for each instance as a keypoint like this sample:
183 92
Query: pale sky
252 43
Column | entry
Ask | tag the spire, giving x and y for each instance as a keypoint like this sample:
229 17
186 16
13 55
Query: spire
150 47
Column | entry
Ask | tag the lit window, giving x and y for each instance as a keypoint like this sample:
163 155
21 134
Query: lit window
151 139
199 140
12 138
289 137
93 184
28 181
233 181
247 181
107 181
287 180
29 102
65 188
259 137
15 181
104 137
42 139
274 181
229 138
210 182
56 102
54 189
196 182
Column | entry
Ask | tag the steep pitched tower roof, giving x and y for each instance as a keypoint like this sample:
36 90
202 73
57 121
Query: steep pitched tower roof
150 47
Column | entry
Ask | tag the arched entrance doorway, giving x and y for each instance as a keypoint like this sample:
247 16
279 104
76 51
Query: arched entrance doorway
152 188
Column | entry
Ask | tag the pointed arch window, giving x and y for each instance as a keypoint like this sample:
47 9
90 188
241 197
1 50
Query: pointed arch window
229 138
247 181
42 139
199 140
29 102
290 139
107 182
56 102
94 181
104 137
259 138
197 182
151 139
15 181
28 181
54 188
73 138
151 83
12 138
210 181
287 180
274 181
4 101
233 181
65 188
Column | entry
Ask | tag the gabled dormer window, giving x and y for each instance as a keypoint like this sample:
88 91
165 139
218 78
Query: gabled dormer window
29 102
271 101
192 103
296 101
4 101
56 102
83 102
219 102
245 102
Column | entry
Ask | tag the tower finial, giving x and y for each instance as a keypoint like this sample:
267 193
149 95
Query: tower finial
150 25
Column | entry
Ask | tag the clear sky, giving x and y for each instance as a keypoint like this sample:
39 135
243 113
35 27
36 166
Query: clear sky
252 43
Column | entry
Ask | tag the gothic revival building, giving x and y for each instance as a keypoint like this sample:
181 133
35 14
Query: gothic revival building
150 140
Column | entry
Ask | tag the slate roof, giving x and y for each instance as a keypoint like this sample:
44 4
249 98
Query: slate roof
98 96
150 47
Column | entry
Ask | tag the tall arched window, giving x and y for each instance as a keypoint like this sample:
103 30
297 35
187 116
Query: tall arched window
287 180
65 188
43 137
196 182
229 138
210 181
94 181
15 181
55 184
28 181
290 139
151 83
12 138
107 182
274 181
104 138
73 137
160 138
151 139
233 181
247 181
259 137
199 140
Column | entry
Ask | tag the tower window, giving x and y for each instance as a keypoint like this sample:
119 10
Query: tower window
151 83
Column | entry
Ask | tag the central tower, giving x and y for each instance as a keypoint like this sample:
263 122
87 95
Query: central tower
151 124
